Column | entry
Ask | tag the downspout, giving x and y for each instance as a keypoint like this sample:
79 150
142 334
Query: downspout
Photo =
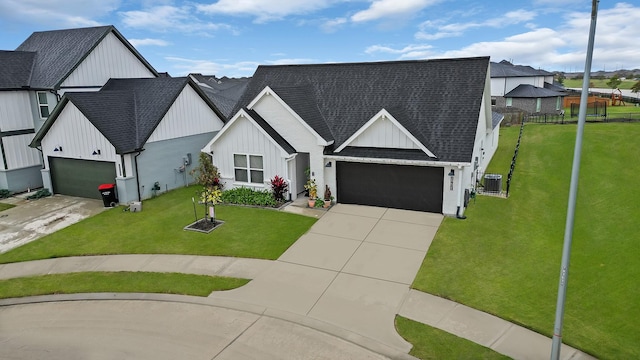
462 217
135 161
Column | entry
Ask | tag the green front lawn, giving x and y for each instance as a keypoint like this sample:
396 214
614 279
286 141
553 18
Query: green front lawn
4 206
505 257
430 343
158 229
120 282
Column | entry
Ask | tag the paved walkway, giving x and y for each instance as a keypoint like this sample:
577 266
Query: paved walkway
348 276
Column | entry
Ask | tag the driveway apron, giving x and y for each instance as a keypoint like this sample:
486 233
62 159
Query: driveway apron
352 269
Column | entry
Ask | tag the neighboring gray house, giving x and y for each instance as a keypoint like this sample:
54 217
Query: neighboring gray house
525 88
144 135
406 134
34 77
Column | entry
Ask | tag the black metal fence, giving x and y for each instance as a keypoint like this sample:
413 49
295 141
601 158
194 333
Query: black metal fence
514 159
564 119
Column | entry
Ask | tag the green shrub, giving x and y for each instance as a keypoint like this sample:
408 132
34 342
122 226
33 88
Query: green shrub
44 192
4 193
247 196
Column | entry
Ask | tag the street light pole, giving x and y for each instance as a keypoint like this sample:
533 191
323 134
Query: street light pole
573 191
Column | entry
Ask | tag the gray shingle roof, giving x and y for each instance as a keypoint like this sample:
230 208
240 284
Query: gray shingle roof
496 119
125 111
59 52
223 92
15 71
438 101
507 69
530 91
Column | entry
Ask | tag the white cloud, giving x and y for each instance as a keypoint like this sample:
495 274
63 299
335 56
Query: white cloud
58 13
285 61
169 19
443 30
184 66
333 24
391 8
407 52
148 42
265 10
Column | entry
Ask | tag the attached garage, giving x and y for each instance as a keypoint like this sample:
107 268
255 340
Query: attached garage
394 186
80 178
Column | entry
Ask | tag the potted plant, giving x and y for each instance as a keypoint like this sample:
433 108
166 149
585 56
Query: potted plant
318 203
327 196
312 188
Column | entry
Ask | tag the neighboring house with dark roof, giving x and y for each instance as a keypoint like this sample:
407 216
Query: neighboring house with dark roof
35 76
525 88
144 135
224 92
405 134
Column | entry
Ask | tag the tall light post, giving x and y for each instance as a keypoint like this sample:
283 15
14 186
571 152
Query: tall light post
573 191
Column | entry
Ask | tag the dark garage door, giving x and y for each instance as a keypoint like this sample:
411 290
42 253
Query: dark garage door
394 186
80 177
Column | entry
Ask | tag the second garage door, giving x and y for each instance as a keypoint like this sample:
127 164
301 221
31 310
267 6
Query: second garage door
394 186
80 177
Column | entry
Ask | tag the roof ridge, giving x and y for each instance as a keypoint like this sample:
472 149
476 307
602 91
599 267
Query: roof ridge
376 62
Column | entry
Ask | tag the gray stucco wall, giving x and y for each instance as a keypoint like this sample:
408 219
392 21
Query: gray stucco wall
162 161
20 180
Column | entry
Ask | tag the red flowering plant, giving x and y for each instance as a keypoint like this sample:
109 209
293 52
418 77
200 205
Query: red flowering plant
279 188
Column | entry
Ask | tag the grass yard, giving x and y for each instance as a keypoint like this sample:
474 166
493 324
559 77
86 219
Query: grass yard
598 83
430 343
505 257
158 229
134 282
4 206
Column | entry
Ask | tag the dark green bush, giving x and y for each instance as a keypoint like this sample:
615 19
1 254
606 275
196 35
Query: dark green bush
247 196
44 192
4 193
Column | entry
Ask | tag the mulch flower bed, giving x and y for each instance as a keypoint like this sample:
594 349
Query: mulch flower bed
204 225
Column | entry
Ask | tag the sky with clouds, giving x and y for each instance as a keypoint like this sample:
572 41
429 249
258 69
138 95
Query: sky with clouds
233 37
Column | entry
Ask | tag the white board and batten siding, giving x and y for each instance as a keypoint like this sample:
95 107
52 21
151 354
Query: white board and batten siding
188 115
384 134
282 121
243 137
18 153
78 138
110 59
14 110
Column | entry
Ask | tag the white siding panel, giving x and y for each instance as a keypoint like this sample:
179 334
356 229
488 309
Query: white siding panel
15 110
286 124
244 138
110 59
384 134
189 115
77 137
18 153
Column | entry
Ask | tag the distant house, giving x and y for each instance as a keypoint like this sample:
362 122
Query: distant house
144 135
525 88
407 134
35 76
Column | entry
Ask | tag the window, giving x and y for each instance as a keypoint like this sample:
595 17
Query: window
538 104
493 101
248 168
43 104
509 101
558 103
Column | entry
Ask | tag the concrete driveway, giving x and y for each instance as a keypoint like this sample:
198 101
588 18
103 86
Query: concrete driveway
352 269
32 219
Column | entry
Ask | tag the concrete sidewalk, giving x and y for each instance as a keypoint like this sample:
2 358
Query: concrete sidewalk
348 276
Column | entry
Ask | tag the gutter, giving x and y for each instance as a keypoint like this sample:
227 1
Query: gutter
135 161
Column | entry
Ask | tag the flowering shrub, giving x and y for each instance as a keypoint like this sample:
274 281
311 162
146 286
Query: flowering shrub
279 187
211 196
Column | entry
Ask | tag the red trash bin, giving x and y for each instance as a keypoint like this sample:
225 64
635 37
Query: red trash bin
108 192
